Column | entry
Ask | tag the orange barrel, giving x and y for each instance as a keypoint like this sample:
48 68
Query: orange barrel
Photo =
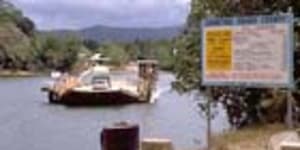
120 136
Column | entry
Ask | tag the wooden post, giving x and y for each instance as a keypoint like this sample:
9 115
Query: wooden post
290 146
156 144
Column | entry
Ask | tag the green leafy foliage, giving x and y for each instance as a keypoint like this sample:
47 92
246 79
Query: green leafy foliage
8 12
244 106
57 53
165 54
26 26
91 44
116 52
21 48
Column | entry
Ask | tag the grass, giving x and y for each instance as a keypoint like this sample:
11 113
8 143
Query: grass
252 138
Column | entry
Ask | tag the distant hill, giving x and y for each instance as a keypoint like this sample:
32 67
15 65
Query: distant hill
116 34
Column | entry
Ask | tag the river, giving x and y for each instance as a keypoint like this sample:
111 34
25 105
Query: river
28 122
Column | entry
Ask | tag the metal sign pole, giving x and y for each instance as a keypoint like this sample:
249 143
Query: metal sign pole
208 121
289 115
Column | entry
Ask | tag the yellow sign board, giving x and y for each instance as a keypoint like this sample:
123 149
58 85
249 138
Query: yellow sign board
219 51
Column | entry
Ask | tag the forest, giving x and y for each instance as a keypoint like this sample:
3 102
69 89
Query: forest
23 47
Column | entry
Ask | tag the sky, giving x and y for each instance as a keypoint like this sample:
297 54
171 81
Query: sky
75 14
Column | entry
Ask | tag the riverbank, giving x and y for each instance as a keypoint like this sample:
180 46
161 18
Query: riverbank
22 73
252 138
18 73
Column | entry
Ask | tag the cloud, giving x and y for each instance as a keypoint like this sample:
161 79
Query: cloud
74 14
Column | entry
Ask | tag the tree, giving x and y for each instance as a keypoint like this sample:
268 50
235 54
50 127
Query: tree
132 50
26 26
163 52
143 49
91 44
8 12
22 49
116 52
58 54
243 105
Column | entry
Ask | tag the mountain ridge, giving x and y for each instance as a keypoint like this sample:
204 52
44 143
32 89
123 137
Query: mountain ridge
102 33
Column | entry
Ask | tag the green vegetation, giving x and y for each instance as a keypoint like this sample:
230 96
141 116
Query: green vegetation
23 48
116 52
123 53
165 53
244 105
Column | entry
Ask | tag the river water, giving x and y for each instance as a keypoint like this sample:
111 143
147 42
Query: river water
28 122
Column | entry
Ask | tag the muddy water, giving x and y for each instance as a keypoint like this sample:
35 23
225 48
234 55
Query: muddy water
28 122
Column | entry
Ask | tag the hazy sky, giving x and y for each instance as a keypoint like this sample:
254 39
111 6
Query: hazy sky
73 14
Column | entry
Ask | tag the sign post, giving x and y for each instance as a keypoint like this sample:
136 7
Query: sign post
254 51
208 121
289 117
